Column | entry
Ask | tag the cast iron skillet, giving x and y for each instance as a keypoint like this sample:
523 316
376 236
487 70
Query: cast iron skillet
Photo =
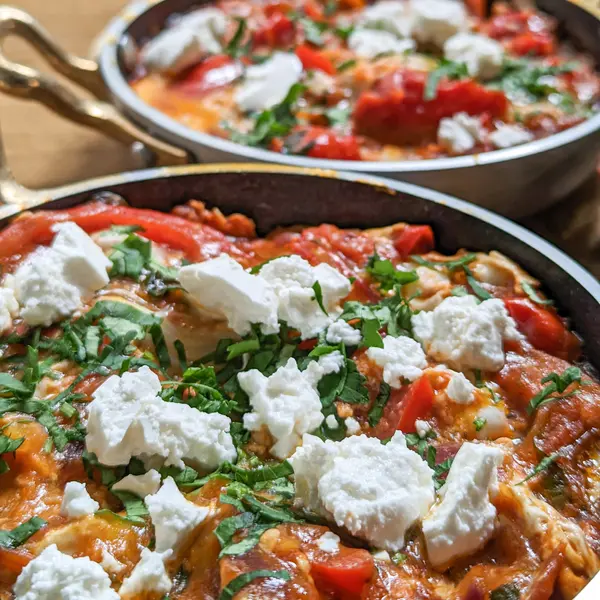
516 182
277 196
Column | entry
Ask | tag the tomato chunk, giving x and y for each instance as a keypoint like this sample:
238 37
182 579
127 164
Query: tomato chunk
413 239
344 573
320 142
417 404
211 74
313 59
542 328
397 113
24 234
279 31
532 44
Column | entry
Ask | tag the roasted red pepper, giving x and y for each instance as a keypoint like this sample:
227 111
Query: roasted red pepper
314 59
413 239
417 404
213 73
345 573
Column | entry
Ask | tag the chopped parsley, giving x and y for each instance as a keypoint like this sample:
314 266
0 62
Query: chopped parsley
479 423
241 581
19 535
451 265
542 466
387 275
533 294
7 446
345 65
508 591
236 48
379 405
447 69
557 384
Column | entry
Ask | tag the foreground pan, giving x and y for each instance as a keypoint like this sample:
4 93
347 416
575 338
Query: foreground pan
516 182
277 196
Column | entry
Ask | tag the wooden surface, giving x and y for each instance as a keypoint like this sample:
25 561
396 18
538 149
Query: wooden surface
44 150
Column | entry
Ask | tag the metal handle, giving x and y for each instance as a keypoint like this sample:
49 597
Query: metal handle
28 83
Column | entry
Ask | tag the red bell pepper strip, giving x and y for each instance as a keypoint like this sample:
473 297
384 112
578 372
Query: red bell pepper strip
313 59
344 573
417 404
279 31
26 233
542 328
413 239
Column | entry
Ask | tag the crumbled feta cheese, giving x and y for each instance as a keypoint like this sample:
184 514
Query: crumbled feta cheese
84 264
221 285
460 133
437 20
292 279
482 55
267 84
109 563
332 362
53 282
9 308
341 332
460 389
173 516
401 358
140 485
329 542
178 47
375 491
77 502
331 422
287 403
127 418
352 426
466 334
464 520
422 428
495 423
148 576
392 16
56 576
507 136
382 555
369 43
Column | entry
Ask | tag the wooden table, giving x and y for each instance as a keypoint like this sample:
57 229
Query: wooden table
44 150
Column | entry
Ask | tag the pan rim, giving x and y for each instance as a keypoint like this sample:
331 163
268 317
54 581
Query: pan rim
567 264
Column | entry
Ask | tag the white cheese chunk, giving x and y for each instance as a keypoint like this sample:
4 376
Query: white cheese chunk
173 516
140 485
434 21
56 576
352 426
127 418
507 136
370 43
382 555
495 423
460 133
176 48
329 542
149 575
401 358
221 285
9 307
77 502
53 282
267 84
460 389
422 428
287 403
392 16
331 422
375 491
465 518
292 279
341 332
466 334
85 264
482 55
332 362
109 563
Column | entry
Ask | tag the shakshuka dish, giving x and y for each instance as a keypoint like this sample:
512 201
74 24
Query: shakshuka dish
348 80
189 411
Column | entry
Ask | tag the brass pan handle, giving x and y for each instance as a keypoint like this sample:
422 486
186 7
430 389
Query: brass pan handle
28 83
